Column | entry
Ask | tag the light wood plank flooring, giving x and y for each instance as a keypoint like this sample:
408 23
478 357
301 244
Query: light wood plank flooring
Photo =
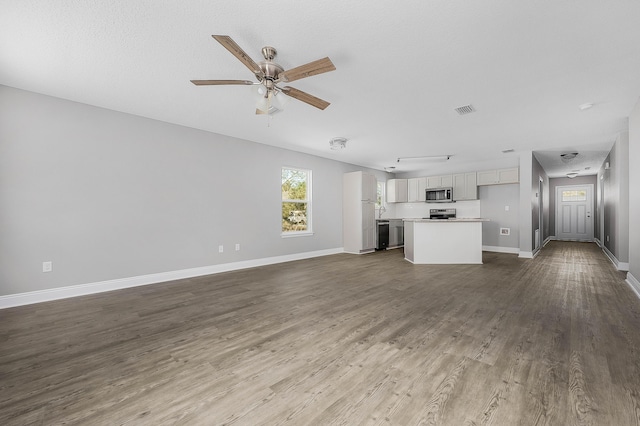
342 339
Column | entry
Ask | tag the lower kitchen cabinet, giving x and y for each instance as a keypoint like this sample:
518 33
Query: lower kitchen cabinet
396 233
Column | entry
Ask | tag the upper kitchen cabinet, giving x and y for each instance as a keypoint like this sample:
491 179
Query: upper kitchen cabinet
465 186
416 188
360 186
500 176
369 187
445 181
397 191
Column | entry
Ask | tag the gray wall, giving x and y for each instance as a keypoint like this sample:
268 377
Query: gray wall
565 181
634 193
493 199
107 195
527 199
539 200
615 202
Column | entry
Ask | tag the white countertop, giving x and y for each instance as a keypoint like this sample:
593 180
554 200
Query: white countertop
458 219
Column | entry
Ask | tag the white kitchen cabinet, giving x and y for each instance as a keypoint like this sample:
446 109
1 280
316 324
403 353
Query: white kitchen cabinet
416 190
397 191
396 233
499 176
445 181
465 186
508 175
358 212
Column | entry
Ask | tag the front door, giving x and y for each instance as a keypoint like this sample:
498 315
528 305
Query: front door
574 208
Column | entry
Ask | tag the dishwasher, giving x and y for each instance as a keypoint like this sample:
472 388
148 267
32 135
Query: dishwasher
382 234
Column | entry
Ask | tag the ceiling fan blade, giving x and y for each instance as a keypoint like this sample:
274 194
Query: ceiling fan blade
237 51
305 97
312 68
220 82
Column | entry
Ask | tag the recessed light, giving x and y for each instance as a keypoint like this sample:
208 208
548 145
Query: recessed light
572 175
506 151
585 106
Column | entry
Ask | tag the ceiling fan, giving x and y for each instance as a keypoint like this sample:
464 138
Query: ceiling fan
269 74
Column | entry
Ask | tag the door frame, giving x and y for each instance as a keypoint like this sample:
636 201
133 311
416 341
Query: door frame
540 213
558 202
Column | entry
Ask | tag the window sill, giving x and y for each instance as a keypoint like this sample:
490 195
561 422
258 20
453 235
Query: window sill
296 234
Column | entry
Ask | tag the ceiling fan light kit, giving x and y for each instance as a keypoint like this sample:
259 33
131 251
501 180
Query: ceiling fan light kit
269 74
566 157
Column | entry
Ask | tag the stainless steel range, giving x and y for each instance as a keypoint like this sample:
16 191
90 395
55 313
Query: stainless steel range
442 214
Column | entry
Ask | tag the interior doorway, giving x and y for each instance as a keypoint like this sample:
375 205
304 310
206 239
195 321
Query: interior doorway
540 234
574 212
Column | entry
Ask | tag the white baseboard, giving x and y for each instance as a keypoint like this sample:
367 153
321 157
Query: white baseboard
620 266
633 283
497 249
525 254
546 241
31 297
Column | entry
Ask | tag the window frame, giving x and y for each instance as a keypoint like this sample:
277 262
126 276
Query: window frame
308 201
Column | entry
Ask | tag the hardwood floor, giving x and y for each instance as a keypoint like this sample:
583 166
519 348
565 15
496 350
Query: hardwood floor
342 339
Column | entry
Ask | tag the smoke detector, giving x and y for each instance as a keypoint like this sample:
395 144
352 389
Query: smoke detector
337 144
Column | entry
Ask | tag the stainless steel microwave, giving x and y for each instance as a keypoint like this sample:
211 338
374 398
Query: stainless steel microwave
439 195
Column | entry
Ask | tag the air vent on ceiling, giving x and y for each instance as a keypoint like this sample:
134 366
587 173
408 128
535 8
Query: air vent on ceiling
466 109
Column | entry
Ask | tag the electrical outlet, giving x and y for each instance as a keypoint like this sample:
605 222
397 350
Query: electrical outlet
505 231
607 238
237 247
220 249
47 266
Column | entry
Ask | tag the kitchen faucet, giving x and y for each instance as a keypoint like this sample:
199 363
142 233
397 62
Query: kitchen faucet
380 211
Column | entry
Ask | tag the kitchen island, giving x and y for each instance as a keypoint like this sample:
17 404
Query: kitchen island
437 241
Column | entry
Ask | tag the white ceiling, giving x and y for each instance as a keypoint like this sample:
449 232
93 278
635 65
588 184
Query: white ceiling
402 68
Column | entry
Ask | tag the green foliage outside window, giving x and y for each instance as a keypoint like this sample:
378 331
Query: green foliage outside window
295 200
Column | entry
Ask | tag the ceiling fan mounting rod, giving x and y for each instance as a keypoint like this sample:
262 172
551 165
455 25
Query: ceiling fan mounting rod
269 53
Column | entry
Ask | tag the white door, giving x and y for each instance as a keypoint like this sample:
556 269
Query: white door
574 208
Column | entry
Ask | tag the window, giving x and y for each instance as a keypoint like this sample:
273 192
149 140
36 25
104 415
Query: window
380 194
580 195
296 201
